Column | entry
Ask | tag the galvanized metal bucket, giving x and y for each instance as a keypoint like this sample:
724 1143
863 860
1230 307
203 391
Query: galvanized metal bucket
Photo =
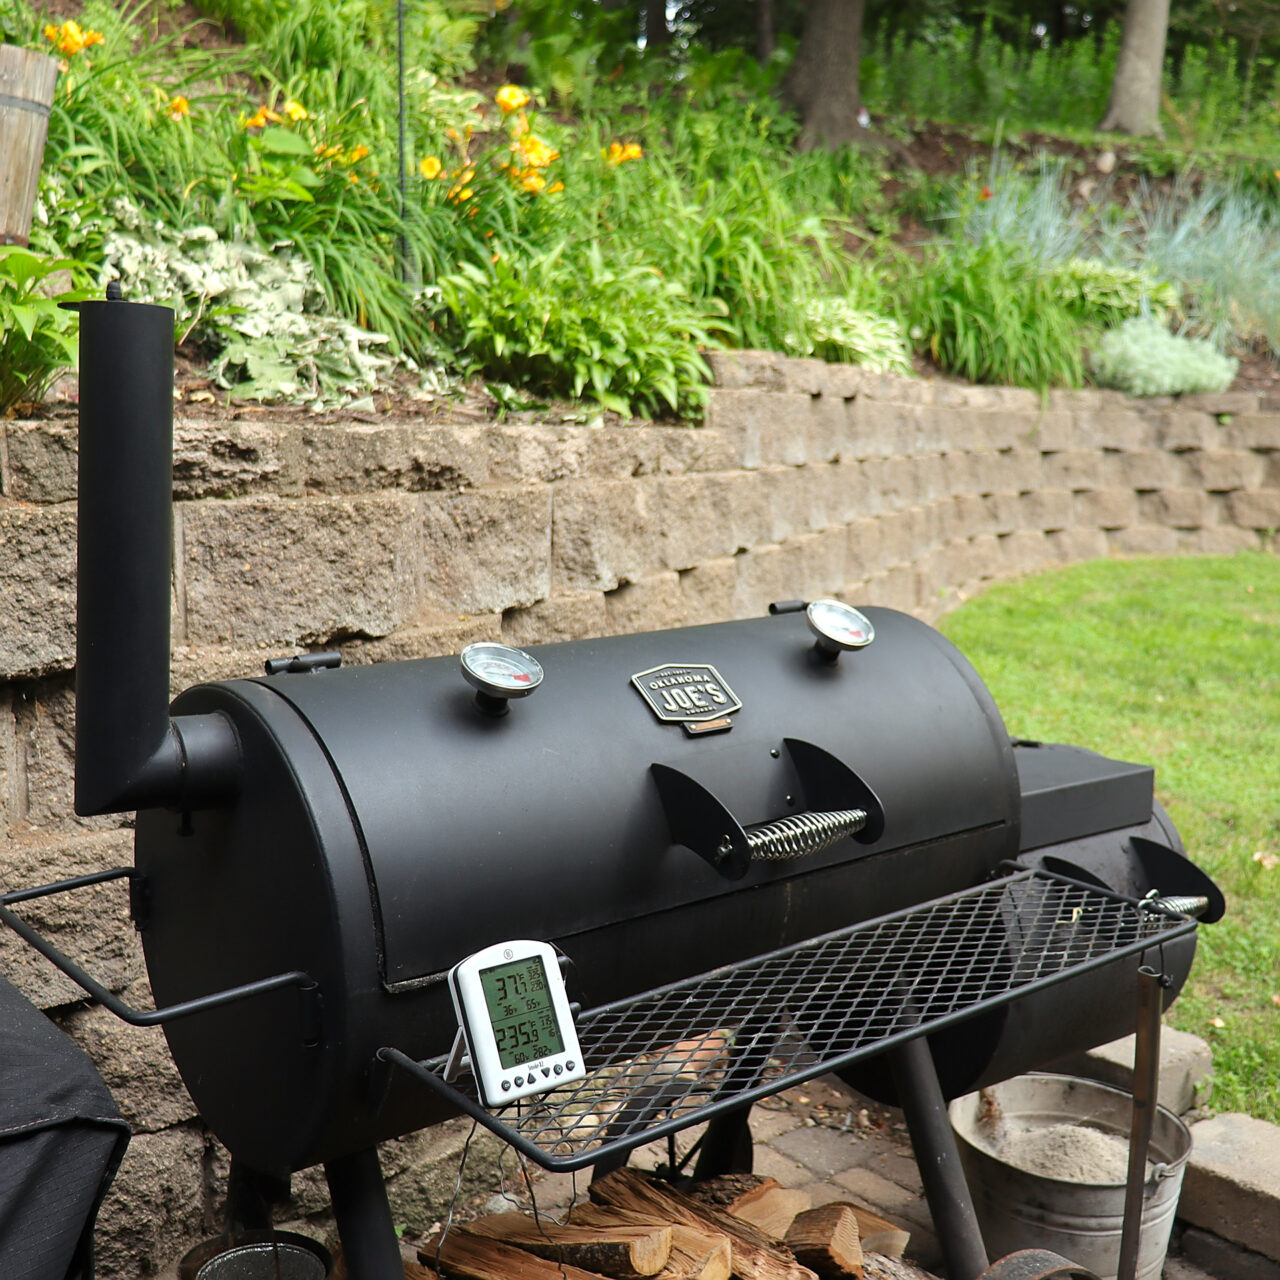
1079 1220
257 1255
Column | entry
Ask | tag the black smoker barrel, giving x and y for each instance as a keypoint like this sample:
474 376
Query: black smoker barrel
816 855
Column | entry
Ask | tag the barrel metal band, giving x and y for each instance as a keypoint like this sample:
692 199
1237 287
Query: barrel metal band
24 104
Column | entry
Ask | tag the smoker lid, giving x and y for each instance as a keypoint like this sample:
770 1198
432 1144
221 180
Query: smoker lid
547 821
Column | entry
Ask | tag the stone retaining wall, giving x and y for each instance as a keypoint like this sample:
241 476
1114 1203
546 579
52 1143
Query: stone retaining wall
402 541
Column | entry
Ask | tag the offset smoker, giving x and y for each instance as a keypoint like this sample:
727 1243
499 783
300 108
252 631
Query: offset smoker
762 859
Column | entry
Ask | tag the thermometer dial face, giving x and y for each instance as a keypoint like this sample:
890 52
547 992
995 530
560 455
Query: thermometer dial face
838 625
500 670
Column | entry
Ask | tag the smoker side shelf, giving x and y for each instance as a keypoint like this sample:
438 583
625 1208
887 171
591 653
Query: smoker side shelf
672 1057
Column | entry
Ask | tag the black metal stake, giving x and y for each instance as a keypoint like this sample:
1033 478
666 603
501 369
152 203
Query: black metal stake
1146 1085
938 1158
360 1208
400 142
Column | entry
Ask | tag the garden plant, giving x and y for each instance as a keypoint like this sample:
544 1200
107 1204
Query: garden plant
654 193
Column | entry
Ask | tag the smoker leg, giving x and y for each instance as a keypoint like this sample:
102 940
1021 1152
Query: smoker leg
935 1146
726 1145
363 1215
251 1196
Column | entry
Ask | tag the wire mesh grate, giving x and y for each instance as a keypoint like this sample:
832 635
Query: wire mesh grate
666 1059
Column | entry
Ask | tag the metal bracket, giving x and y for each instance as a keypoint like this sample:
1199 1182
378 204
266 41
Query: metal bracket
457 1058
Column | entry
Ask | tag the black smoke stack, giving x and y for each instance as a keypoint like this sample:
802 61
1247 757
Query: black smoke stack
129 753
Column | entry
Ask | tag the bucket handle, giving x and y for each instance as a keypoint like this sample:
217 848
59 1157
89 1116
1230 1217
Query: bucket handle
1159 1172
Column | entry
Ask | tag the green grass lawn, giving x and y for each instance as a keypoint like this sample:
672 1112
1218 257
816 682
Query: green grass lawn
1175 663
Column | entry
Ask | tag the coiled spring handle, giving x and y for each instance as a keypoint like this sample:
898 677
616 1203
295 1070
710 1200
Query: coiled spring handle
800 834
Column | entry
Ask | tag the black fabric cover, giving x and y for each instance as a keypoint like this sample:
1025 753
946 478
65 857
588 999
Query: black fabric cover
61 1140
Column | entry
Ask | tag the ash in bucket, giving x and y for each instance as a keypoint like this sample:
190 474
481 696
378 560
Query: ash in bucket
1069 1152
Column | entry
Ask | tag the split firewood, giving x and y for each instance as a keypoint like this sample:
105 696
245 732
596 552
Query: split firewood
826 1239
412 1270
755 1256
479 1258
770 1207
624 1252
875 1266
724 1188
695 1254
877 1234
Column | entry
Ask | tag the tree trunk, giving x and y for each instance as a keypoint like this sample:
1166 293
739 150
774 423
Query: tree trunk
766 40
823 79
657 35
1135 91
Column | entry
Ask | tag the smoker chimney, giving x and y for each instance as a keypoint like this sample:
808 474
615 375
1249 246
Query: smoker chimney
129 753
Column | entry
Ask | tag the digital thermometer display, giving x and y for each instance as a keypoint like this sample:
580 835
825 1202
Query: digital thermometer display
515 1021
520 1011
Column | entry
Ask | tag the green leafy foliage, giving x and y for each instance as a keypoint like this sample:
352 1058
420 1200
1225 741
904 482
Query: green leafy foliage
110 128
676 164
260 317
840 332
567 325
1215 93
1142 358
1102 294
714 203
946 72
171 126
718 201
1221 247
1207 252
37 336
984 312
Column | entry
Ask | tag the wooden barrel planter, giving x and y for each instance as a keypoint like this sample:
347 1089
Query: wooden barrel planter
27 80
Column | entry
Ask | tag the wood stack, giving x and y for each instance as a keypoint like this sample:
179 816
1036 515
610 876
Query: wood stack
636 1227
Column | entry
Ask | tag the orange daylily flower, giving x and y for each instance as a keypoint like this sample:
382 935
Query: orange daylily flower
71 38
262 117
511 97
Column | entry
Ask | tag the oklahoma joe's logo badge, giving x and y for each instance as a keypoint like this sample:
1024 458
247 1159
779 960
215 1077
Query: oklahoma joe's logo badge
693 694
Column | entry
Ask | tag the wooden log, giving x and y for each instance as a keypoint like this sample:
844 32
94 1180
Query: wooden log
412 1270
755 1256
770 1207
27 81
624 1252
877 1234
479 1258
826 1239
695 1254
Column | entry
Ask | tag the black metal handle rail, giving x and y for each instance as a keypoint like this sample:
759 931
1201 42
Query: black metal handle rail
309 990
685 1053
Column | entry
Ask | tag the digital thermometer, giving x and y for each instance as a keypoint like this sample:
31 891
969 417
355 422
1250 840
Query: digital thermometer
515 1020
